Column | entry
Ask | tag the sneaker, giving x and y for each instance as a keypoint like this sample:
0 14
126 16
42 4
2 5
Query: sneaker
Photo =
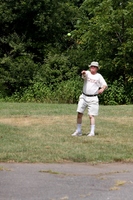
76 133
91 134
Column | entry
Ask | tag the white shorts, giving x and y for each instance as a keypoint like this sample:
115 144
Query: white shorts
91 102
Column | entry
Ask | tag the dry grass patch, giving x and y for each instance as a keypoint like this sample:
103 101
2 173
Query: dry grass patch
118 184
43 120
4 169
118 120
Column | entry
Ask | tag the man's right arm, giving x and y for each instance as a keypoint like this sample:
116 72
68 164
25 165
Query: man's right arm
83 74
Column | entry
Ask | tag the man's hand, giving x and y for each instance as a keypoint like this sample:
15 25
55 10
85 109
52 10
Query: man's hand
83 72
101 90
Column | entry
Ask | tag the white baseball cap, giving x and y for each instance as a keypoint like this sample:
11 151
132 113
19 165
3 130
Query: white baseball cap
94 64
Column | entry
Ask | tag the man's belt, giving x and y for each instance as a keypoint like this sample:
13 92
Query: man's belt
90 95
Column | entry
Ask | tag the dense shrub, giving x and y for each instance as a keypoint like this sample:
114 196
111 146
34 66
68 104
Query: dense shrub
65 92
115 94
68 92
38 92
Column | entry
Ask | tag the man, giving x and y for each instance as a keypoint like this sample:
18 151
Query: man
94 84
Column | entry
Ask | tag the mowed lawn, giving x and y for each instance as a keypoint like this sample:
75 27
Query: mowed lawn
37 132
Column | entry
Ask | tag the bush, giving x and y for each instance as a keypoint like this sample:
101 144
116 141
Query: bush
68 91
65 92
115 94
38 92
16 73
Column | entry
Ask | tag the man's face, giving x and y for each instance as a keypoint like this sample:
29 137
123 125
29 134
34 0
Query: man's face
93 69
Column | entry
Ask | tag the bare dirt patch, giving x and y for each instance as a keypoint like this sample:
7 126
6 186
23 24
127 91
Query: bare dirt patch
30 120
120 120
49 120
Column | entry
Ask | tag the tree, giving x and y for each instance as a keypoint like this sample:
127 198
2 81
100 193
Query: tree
30 30
105 32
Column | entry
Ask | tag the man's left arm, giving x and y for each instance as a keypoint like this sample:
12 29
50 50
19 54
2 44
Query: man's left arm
101 90
103 85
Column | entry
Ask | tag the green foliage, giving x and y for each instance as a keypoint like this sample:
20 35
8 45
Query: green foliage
68 91
129 91
65 92
115 94
43 23
16 73
56 68
105 31
38 92
37 58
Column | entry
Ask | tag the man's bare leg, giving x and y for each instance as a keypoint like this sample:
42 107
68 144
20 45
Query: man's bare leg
92 125
79 124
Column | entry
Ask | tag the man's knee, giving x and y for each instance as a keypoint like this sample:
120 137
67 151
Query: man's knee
91 116
80 115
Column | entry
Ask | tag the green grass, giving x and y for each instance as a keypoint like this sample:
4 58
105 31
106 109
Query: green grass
34 132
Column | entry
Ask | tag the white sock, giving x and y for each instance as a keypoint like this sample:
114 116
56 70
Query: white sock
92 129
79 128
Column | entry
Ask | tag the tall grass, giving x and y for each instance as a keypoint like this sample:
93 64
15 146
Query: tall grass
35 132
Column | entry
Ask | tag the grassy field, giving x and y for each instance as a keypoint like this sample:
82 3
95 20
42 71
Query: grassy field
33 132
